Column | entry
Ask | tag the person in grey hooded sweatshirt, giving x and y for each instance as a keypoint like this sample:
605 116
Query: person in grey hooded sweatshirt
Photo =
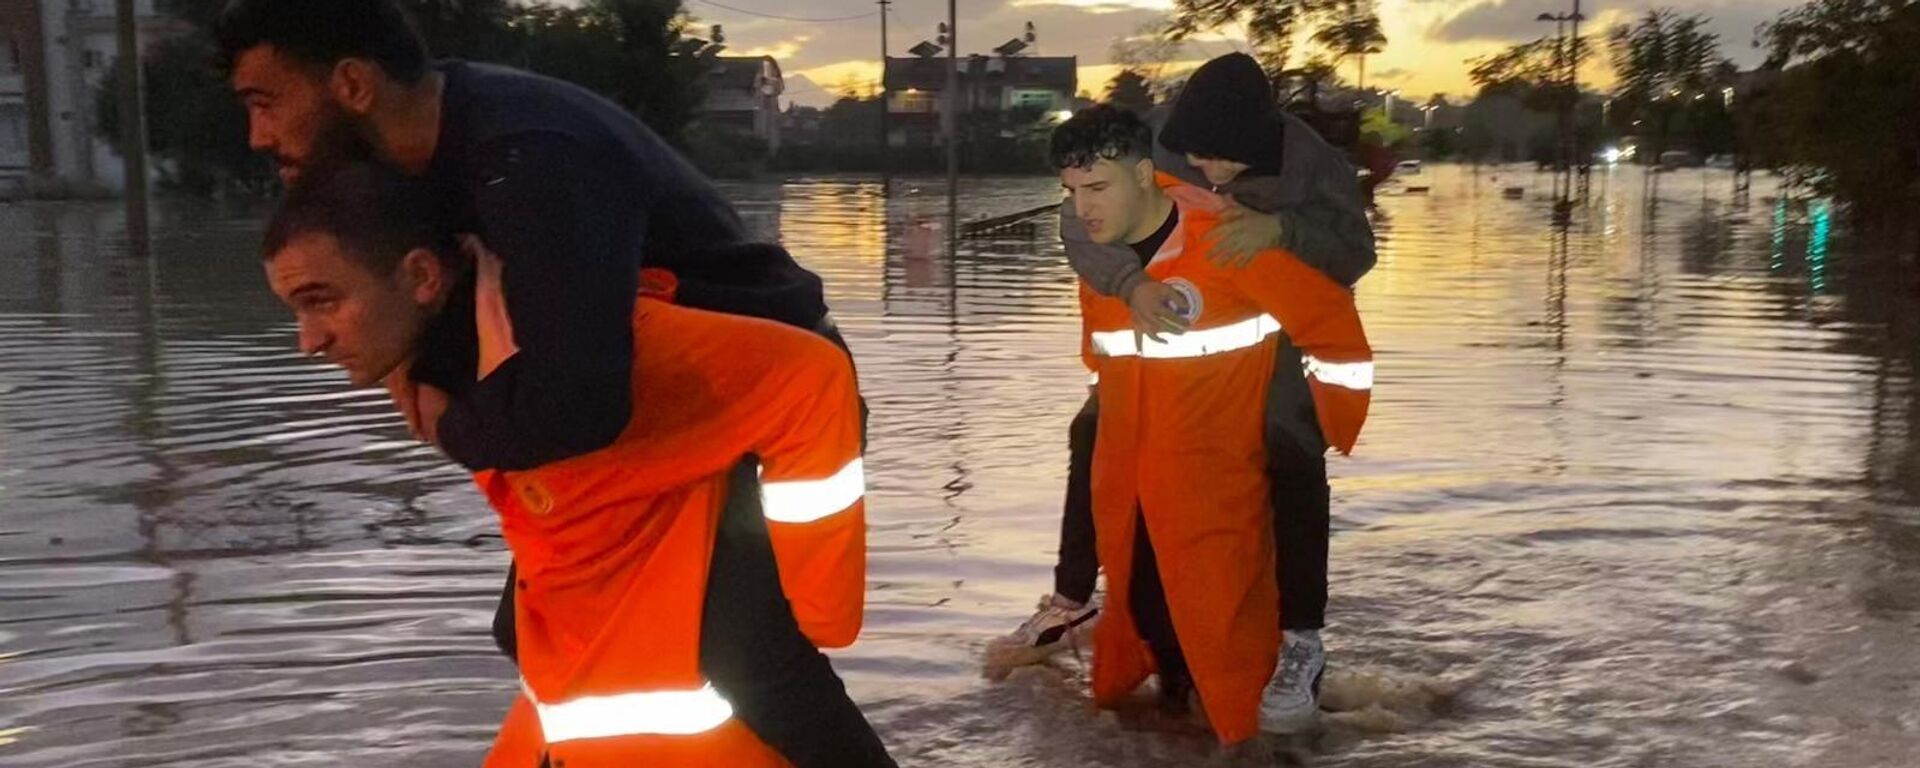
1292 191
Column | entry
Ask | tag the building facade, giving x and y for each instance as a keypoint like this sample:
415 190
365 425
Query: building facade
55 56
743 96
988 84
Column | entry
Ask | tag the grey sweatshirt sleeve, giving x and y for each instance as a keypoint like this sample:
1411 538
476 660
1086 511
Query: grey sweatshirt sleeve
1330 231
1113 270
1317 198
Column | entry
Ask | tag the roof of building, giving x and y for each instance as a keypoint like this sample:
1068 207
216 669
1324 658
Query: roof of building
739 72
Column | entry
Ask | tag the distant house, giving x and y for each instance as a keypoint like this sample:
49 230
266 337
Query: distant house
800 126
54 56
1001 83
743 95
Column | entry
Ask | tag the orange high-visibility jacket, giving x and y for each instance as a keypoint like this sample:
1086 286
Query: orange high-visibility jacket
613 546
1181 440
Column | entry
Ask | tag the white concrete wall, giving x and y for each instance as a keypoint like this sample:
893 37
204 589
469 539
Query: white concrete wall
69 162
82 48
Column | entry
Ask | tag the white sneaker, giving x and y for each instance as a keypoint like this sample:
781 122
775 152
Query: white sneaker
1293 696
1059 624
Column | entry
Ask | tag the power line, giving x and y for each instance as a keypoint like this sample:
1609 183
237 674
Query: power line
867 15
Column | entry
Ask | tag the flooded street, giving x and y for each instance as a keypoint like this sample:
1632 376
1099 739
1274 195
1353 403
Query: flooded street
1645 494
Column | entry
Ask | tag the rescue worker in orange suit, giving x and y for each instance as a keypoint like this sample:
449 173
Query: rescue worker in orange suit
574 193
1291 191
1180 492
674 586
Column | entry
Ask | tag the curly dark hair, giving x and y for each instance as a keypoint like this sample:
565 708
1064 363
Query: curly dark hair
1100 132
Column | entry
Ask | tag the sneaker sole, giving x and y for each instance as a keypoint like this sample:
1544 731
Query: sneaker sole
1298 721
1002 658
1021 655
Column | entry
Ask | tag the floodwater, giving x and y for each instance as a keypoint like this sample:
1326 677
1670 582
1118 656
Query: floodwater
1642 494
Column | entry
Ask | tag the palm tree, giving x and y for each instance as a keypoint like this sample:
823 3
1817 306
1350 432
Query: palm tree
1356 34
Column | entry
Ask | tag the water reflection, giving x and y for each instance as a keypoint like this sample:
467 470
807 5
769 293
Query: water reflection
1646 484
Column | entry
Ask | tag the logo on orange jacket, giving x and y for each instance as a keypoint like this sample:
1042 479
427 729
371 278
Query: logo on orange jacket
1191 293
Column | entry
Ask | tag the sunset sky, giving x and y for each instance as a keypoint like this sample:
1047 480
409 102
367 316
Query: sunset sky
1428 40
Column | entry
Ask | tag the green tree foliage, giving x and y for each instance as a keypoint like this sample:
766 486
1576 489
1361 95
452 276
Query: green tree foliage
1671 83
194 124
636 52
1271 25
1534 72
1148 52
1836 102
1376 128
1355 34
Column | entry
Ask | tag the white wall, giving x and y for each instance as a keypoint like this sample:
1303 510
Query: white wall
69 162
81 50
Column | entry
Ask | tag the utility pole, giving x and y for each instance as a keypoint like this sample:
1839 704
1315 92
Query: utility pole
951 115
1563 165
1567 54
1574 161
133 121
886 161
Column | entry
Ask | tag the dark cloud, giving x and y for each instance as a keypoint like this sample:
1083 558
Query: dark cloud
1498 21
1511 21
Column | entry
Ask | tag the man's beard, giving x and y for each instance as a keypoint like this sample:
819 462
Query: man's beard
337 144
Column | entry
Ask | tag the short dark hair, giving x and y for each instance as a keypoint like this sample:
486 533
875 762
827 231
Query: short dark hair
377 214
1100 132
323 32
